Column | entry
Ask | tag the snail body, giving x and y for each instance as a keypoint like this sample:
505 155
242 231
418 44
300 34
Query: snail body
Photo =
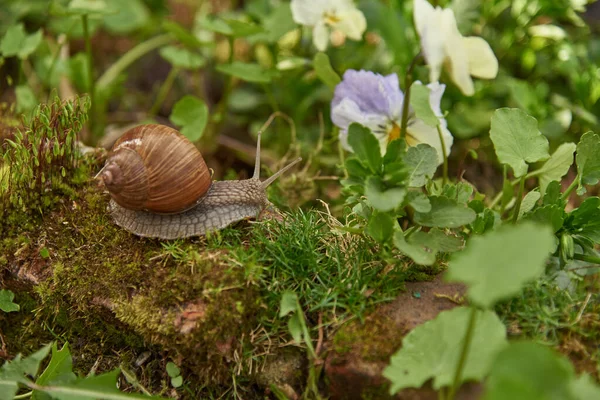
194 206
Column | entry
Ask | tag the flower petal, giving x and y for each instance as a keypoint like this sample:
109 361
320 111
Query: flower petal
320 36
428 23
419 132
373 93
422 14
482 61
307 12
347 112
352 23
458 62
436 91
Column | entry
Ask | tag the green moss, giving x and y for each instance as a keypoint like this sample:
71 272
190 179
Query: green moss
373 340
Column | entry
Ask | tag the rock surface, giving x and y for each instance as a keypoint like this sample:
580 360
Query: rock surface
360 352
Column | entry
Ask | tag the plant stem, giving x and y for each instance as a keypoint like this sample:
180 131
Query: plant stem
406 101
163 91
519 200
586 258
23 396
130 57
463 355
445 166
91 84
572 186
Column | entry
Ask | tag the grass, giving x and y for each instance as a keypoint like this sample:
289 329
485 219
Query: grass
567 319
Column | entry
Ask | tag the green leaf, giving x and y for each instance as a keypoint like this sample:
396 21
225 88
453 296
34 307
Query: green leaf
394 153
553 194
44 252
355 168
416 252
173 370
82 7
216 25
58 371
192 114
16 42
584 388
588 161
496 265
182 58
557 166
423 247
246 71
127 16
517 139
552 215
242 28
526 370
26 99
585 219
421 161
418 201
6 301
325 71
14 372
484 222
181 34
459 191
177 381
432 350
277 24
12 40
381 227
365 146
295 328
528 202
445 213
289 303
380 197
419 100
437 241
95 387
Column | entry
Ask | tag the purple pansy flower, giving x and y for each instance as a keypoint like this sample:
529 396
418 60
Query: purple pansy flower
376 101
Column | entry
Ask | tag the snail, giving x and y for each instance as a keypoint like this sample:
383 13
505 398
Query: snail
161 187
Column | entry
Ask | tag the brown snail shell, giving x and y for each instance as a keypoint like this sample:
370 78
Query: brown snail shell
155 168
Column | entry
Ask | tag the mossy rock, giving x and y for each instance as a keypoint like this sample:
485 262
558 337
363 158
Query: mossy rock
181 296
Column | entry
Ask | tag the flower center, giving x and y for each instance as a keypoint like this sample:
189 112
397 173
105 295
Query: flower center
394 133
330 18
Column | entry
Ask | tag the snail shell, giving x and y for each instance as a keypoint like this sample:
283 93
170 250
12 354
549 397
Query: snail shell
155 168
161 187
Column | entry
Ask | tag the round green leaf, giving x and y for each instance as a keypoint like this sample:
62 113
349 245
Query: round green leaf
191 113
445 213
246 71
529 371
517 139
182 58
588 160
496 265
431 350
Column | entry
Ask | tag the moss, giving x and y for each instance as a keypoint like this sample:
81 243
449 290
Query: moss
102 282
373 340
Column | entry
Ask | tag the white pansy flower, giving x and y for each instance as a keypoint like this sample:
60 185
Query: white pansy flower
376 101
443 45
323 15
